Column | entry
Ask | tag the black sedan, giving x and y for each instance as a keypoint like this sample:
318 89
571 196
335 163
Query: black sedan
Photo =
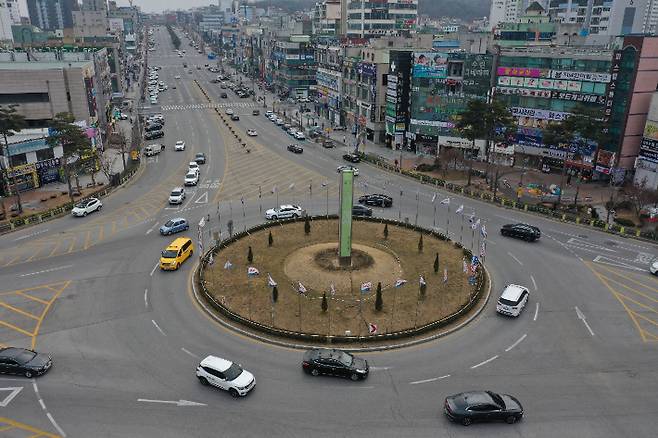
295 149
235 117
352 158
334 363
360 210
23 362
468 407
377 200
152 135
522 231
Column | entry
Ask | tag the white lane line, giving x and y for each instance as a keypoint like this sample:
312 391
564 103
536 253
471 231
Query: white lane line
534 283
30 235
517 260
36 389
146 297
48 414
380 368
150 230
43 405
47 270
188 352
158 327
581 316
536 312
485 362
52 420
434 379
154 268
518 341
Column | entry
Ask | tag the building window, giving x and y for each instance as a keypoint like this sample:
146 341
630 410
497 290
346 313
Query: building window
45 154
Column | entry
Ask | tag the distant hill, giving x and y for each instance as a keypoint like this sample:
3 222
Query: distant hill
464 9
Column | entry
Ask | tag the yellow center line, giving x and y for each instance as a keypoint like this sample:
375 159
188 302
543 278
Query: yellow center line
30 297
650 321
22 426
614 271
55 248
18 329
45 311
17 310
87 237
72 244
101 233
630 288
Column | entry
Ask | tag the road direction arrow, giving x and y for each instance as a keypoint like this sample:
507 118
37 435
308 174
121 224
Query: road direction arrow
581 316
172 402
13 392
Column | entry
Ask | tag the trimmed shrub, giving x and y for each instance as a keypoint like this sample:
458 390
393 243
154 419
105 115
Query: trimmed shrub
379 303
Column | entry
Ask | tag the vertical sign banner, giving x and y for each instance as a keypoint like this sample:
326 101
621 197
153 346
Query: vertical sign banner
346 200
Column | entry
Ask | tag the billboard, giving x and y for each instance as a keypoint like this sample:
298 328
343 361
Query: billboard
430 65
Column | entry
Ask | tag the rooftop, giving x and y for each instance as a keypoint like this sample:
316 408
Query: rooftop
46 65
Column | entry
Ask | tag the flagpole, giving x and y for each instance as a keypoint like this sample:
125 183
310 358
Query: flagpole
400 210
434 218
417 207
299 295
448 222
417 304
230 207
472 237
395 298
260 201
461 232
244 214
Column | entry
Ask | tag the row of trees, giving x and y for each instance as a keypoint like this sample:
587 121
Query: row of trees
174 38
78 153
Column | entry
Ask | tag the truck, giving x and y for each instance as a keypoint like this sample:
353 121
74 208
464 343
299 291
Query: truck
152 149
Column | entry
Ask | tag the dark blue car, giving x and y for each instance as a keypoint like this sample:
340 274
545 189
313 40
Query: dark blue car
174 226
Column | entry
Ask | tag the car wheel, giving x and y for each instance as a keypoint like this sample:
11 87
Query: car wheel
466 421
233 392
84 213
504 233
274 217
204 381
187 227
100 207
28 374
511 419
354 377
315 372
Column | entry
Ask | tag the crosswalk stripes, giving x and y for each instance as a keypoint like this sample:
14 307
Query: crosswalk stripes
192 106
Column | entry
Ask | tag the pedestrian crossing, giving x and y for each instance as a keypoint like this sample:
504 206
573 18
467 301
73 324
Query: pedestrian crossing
193 106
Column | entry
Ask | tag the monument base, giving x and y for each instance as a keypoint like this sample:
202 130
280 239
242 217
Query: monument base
345 261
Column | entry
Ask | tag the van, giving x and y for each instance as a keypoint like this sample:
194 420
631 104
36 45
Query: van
152 149
512 300
176 253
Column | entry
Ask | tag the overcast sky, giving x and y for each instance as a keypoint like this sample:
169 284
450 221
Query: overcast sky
148 5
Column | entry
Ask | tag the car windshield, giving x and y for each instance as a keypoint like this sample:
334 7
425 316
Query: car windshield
233 372
190 176
497 399
506 302
25 356
169 254
345 358
169 224
81 205
175 193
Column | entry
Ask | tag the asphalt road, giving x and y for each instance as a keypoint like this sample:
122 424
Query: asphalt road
581 357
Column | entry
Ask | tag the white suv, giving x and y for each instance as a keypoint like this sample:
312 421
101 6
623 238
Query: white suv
284 212
512 300
225 375
180 145
177 196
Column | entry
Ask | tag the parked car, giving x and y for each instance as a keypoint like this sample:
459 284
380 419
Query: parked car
328 144
653 267
284 212
299 135
225 375
229 111
352 158
376 199
521 231
177 196
152 135
339 169
512 300
296 149
334 363
86 206
235 117
360 210
179 146
469 407
200 158
24 362
175 225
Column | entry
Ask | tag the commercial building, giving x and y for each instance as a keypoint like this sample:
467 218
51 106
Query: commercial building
375 18
605 18
6 35
14 11
329 84
646 166
52 14
293 66
326 19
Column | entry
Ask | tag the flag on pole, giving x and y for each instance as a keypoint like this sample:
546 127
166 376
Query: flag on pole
332 289
228 265
291 186
464 265
433 198
274 189
483 231
242 199
400 282
365 287
270 280
474 260
372 328
445 275
422 281
471 218
446 201
459 209
475 224
252 271
300 288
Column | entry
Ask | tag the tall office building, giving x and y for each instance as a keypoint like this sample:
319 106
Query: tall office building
5 23
609 17
375 18
14 11
509 11
52 14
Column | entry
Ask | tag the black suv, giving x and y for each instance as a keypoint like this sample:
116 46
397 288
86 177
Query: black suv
522 231
151 135
352 158
295 149
334 363
377 200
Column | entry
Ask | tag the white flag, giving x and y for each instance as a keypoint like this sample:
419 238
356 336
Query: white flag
460 209
445 275
475 224
400 282
274 189
291 186
252 271
422 281
483 231
300 288
270 281
228 265
464 265
332 289
433 198
446 201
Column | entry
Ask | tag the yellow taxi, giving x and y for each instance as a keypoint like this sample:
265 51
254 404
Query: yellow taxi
176 253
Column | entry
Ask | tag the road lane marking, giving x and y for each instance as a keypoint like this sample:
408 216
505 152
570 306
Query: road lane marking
434 379
43 405
484 362
158 327
518 341
154 268
534 283
188 352
536 312
581 316
146 298
72 244
54 423
172 402
517 260
46 271
30 235
54 250
87 240
380 368
19 311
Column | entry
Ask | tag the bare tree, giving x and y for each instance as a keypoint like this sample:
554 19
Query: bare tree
640 195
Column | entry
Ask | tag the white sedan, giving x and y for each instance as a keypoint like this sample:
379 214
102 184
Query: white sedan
177 77
180 145
299 135
339 169
284 212
192 178
83 208
251 133
229 111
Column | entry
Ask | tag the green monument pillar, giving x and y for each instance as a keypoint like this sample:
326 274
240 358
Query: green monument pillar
345 230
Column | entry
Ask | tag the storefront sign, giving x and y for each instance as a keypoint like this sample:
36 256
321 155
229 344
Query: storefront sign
577 97
46 164
430 65
612 88
366 69
524 92
649 144
435 123
519 71
538 113
23 169
649 155
580 76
